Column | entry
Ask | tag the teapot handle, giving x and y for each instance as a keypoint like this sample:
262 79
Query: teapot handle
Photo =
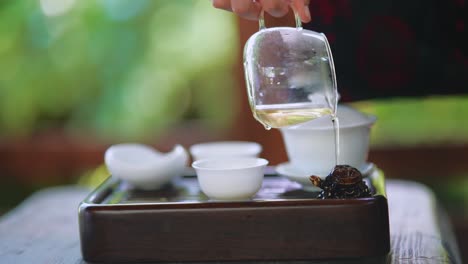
261 20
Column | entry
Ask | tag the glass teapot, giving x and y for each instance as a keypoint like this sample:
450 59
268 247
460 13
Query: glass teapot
290 75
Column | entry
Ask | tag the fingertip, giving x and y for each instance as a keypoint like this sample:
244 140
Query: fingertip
302 8
246 9
276 8
306 17
221 4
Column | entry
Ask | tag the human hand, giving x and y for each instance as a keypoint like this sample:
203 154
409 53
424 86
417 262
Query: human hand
250 9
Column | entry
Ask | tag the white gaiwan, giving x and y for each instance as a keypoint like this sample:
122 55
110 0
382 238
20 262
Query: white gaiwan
143 166
311 147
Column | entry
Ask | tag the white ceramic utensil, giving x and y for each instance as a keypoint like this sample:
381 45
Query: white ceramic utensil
143 166
310 146
230 178
225 149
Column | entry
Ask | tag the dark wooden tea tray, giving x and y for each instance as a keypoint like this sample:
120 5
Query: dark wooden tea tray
179 223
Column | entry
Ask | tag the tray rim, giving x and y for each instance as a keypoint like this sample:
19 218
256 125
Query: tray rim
95 220
93 200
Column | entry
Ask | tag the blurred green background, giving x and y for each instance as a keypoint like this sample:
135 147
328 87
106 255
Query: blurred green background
107 71
119 69
76 76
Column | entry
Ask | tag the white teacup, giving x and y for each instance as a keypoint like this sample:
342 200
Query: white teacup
225 149
311 147
230 178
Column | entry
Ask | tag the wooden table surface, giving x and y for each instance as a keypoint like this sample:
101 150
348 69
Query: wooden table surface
44 228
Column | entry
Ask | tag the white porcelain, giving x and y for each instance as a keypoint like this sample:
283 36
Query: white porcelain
225 149
230 178
295 174
143 166
311 146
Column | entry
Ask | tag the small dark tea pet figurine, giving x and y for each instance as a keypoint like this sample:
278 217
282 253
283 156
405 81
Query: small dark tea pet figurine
343 182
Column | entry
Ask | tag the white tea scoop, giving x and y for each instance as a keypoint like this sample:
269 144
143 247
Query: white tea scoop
143 166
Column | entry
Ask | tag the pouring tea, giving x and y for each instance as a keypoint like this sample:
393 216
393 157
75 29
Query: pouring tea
290 76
